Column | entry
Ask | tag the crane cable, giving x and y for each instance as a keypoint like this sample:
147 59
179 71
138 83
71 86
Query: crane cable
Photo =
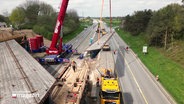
110 16
100 19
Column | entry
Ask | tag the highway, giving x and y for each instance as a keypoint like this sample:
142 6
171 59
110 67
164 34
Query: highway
81 42
138 85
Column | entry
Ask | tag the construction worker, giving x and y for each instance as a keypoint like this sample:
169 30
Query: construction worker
127 48
98 82
24 43
114 51
73 64
91 41
108 73
157 77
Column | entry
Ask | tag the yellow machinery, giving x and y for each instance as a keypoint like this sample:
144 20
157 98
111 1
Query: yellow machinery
110 92
101 28
103 32
106 47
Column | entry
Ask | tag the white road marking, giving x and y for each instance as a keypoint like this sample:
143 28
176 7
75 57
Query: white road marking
140 90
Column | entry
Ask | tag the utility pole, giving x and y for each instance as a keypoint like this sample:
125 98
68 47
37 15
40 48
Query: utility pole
110 17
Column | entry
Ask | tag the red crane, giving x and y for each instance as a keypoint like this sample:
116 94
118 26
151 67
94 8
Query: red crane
53 49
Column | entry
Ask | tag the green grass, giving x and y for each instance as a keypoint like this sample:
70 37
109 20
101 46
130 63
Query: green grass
83 24
175 51
171 74
115 22
72 35
86 22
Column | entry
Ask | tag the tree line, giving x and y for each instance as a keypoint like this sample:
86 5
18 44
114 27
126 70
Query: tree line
160 27
40 17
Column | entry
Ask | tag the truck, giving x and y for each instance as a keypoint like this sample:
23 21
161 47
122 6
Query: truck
109 91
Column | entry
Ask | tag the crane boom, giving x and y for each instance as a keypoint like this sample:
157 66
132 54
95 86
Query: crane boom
56 35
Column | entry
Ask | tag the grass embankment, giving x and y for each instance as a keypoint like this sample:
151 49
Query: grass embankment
83 24
72 35
171 74
175 52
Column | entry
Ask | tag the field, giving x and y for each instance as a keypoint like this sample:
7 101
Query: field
115 22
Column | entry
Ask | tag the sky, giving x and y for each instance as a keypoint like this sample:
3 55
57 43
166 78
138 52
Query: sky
92 8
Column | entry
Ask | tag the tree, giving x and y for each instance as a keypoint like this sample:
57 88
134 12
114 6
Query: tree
44 27
31 9
32 13
17 16
41 17
73 15
46 9
71 21
2 18
138 22
166 23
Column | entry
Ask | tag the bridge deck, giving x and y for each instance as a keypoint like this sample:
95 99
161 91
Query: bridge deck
22 79
100 43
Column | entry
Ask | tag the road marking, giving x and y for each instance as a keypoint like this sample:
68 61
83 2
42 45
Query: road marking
133 76
135 80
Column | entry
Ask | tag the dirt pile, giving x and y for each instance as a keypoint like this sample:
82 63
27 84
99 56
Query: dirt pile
8 34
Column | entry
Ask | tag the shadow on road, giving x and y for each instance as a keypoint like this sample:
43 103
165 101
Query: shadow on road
128 98
120 63
52 69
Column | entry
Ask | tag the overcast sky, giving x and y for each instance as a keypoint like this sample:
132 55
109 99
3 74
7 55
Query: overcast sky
93 7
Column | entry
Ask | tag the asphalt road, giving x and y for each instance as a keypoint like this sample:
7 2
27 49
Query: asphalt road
80 42
138 85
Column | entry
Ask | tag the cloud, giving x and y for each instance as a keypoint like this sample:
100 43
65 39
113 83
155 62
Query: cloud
9 5
93 7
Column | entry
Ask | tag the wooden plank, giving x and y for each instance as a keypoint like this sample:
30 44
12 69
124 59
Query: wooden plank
64 94
63 71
